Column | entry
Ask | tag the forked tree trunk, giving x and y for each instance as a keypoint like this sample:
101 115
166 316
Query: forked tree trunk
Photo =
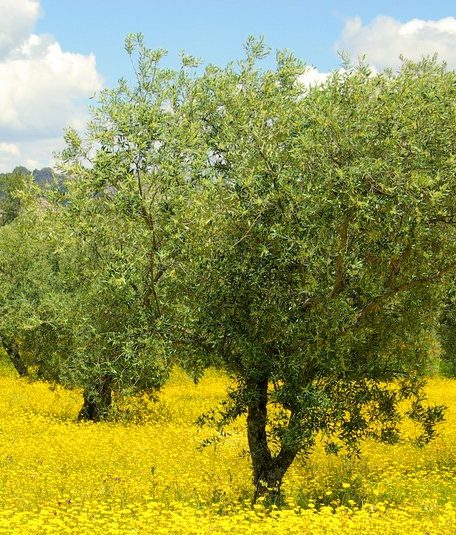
15 358
97 400
268 470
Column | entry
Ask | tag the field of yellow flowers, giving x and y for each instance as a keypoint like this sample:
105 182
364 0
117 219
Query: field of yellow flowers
151 476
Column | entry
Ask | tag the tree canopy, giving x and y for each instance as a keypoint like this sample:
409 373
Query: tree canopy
299 238
320 235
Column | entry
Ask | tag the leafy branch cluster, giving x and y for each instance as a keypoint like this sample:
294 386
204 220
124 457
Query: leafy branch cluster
302 239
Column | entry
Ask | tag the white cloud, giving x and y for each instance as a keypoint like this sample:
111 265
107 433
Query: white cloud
9 148
42 88
313 77
16 23
384 39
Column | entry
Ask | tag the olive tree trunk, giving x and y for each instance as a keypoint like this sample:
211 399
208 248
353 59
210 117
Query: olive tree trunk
15 358
268 470
97 400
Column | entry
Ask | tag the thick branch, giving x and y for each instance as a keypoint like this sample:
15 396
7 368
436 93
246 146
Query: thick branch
288 452
378 301
249 230
15 358
445 220
341 248
272 172
152 277
396 266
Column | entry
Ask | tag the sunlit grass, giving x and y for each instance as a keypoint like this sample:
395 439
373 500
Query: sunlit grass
59 476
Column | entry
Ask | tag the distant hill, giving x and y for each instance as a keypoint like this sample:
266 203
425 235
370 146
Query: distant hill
42 176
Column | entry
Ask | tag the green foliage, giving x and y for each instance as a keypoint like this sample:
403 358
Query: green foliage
33 320
11 186
322 230
86 287
130 173
298 238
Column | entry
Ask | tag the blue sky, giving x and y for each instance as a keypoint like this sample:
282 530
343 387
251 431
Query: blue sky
215 29
55 54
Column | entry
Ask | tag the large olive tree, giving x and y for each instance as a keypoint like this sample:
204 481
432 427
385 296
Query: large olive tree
296 237
315 248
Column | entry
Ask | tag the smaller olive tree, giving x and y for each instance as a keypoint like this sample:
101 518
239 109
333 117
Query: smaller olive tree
31 330
89 264
127 176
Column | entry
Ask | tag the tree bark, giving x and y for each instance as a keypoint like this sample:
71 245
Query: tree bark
268 470
16 359
97 401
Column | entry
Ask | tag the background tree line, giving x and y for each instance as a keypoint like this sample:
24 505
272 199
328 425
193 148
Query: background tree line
302 239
